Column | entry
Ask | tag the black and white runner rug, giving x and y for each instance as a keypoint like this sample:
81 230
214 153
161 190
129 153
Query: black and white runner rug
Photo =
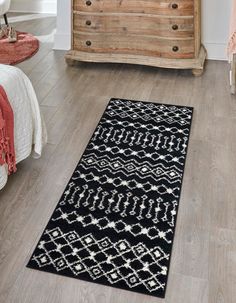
115 221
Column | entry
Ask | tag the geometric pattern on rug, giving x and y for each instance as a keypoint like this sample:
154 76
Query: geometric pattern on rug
115 222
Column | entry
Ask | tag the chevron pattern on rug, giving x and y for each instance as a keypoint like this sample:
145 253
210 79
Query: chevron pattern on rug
115 221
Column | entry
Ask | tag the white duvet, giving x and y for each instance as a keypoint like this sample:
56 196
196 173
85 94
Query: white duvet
29 129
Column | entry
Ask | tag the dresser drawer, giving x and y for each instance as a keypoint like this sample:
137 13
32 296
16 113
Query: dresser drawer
133 44
156 7
142 25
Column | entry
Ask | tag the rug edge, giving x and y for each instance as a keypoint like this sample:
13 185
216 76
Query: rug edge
131 100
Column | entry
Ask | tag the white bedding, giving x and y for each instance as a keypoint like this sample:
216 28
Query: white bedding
29 129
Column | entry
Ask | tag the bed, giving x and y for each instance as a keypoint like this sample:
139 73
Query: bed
29 129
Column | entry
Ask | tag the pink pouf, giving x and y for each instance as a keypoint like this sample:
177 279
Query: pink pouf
25 47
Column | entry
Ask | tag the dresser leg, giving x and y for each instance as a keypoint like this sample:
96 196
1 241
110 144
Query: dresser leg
71 62
197 72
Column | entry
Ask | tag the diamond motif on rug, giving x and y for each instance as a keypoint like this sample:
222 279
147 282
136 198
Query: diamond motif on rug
114 224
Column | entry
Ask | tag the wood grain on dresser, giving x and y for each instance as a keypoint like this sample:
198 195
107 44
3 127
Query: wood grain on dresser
134 44
127 29
157 7
140 24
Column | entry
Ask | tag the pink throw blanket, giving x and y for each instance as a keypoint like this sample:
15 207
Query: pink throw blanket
232 37
7 150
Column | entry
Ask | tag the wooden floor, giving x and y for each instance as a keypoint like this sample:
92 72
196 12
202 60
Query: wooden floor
203 265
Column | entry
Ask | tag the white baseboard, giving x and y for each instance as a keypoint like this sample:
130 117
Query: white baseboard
216 50
34 6
62 41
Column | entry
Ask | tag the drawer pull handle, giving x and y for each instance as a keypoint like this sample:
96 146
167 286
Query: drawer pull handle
175 48
88 43
174 6
88 22
88 2
175 27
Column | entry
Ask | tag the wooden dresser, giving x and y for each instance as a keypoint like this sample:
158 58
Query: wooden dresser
163 33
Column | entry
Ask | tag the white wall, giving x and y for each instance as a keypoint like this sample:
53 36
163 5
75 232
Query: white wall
215 27
215 22
35 6
62 36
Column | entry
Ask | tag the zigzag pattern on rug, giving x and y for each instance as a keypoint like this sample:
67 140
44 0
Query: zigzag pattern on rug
115 221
